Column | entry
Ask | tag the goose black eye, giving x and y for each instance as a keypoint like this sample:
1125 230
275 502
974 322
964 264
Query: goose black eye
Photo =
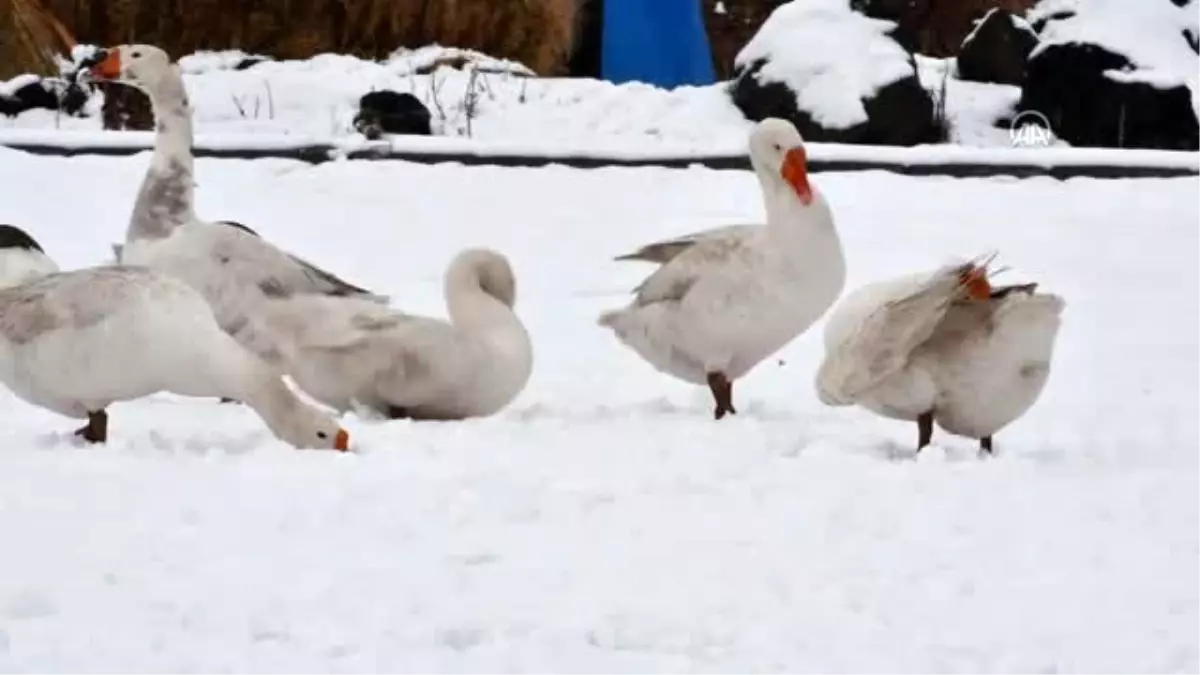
322 434
137 54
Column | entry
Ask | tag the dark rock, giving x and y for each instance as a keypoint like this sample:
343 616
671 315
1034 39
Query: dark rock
1067 84
390 112
934 27
249 62
1040 23
125 108
900 113
1192 39
997 51
66 96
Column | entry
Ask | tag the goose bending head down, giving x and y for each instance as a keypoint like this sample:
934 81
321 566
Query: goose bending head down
944 347
76 342
228 263
360 355
725 299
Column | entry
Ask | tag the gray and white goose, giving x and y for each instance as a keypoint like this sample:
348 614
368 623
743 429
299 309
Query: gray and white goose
232 267
76 342
942 346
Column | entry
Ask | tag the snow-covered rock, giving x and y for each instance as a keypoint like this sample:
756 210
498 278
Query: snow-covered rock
32 92
836 74
996 51
391 112
1116 73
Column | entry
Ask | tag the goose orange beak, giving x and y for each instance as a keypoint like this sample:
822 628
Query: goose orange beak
976 282
109 67
795 172
341 441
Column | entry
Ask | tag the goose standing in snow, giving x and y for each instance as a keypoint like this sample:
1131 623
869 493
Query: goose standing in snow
228 263
399 366
944 347
76 342
725 299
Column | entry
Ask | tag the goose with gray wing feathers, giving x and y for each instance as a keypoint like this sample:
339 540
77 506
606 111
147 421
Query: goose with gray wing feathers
360 355
723 300
942 347
76 342
232 267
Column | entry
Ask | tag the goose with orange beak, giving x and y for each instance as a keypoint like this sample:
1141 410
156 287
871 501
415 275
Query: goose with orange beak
228 263
945 347
725 299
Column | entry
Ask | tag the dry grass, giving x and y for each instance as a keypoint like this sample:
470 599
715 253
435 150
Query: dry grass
29 38
537 33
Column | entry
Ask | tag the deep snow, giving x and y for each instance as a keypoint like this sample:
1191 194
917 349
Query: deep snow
606 522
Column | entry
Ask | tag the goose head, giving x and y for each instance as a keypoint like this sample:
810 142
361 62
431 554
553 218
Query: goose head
21 258
142 66
974 280
778 156
307 427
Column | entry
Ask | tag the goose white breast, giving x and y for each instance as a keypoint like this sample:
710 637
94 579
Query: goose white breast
725 299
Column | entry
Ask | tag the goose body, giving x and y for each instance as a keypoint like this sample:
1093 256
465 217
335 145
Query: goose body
943 347
232 267
725 299
362 355
76 342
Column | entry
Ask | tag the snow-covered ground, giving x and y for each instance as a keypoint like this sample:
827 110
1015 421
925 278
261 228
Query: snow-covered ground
606 522
317 98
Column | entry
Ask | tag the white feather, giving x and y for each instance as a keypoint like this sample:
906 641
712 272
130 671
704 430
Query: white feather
917 345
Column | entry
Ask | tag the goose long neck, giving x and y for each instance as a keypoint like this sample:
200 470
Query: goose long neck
787 215
806 230
469 305
262 388
166 199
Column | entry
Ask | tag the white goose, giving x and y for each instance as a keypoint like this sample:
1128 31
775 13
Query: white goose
76 342
228 263
726 299
362 355
942 347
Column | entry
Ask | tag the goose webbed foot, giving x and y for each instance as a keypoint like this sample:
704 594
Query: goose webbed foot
985 446
722 391
96 430
226 399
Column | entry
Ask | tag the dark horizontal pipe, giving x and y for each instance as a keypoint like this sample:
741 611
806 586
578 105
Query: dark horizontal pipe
316 154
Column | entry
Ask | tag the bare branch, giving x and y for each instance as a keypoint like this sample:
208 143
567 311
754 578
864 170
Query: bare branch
270 99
